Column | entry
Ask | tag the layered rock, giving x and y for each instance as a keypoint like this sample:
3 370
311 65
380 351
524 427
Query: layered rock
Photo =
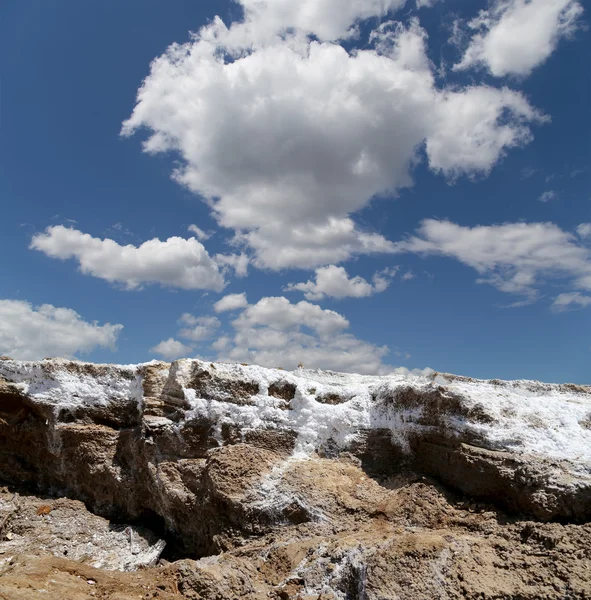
221 457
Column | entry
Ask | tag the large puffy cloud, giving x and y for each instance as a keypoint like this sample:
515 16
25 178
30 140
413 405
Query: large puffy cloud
288 138
334 282
274 332
33 333
176 262
516 36
515 257
325 19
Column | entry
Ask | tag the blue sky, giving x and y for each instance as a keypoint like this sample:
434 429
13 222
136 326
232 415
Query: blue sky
422 182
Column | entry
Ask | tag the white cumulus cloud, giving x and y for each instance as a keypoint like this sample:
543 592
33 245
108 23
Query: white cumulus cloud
176 262
326 19
334 282
171 349
198 329
238 262
280 314
194 329
33 333
515 36
287 137
276 333
231 302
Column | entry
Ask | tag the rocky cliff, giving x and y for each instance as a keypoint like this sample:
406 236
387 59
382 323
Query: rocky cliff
313 484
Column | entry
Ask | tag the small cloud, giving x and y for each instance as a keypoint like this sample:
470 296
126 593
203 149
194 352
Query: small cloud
199 328
176 262
578 172
334 282
231 302
238 262
584 230
548 195
408 276
58 217
222 343
119 230
531 299
513 37
571 300
528 172
458 34
171 349
199 233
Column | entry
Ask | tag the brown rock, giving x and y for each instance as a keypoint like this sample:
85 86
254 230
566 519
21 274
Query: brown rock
203 456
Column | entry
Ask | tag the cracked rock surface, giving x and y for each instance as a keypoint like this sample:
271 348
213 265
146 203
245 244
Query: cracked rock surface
273 484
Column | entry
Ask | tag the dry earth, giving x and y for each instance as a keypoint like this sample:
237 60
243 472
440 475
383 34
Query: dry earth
247 515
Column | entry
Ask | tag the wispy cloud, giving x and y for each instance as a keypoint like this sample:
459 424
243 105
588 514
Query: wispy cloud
514 257
548 196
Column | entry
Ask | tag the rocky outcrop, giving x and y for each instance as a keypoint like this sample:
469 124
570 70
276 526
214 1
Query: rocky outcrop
319 474
400 538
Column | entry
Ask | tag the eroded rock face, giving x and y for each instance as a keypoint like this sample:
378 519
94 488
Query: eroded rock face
239 460
400 538
111 435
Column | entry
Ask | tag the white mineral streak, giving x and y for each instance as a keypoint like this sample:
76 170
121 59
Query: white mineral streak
526 417
51 383
83 537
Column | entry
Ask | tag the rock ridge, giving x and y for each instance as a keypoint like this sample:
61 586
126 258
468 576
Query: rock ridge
231 462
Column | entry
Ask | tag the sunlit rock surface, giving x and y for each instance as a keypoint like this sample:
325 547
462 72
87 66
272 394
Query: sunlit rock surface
315 484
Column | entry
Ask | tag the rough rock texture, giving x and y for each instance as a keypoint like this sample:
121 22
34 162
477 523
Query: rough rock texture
299 485
65 528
